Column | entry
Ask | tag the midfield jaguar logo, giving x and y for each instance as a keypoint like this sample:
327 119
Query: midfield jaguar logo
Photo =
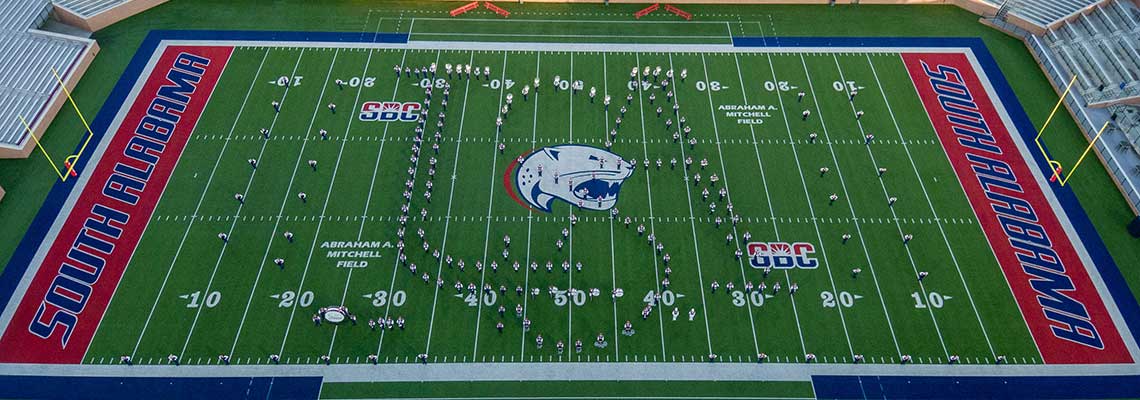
782 255
583 176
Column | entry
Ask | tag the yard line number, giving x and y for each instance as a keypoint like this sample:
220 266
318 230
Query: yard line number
196 299
287 298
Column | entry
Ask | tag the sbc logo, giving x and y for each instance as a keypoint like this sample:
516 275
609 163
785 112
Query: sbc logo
782 255
390 111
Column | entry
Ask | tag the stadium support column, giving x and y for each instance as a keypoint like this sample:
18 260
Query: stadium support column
1133 227
1 193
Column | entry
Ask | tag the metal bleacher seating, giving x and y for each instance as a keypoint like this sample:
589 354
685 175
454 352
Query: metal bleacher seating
1098 42
89 8
27 56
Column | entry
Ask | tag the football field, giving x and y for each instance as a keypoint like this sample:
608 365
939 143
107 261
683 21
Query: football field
821 218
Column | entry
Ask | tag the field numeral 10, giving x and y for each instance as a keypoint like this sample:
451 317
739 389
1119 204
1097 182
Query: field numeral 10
211 299
289 297
934 299
841 86
711 85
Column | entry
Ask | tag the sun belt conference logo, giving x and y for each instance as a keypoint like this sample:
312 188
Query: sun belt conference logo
782 255
583 176
390 111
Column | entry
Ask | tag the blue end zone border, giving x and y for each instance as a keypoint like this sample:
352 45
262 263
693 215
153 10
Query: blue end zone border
826 386
1105 265
949 387
64 387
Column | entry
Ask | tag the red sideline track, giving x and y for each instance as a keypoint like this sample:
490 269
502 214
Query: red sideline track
1051 284
57 316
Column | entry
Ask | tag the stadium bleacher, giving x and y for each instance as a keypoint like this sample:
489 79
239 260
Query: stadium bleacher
27 86
1046 13
89 8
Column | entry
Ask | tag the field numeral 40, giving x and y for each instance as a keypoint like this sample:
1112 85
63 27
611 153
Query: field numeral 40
196 299
667 298
489 299
289 297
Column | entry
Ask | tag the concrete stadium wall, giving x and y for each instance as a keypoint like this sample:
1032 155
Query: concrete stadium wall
58 100
105 18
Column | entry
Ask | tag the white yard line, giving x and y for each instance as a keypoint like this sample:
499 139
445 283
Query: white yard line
898 225
396 261
281 210
613 259
724 175
768 191
490 208
570 238
198 207
324 208
530 212
693 226
450 198
241 206
811 209
930 204
649 193
368 201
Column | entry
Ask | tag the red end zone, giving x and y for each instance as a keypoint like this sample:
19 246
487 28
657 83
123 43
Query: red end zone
57 316
1051 284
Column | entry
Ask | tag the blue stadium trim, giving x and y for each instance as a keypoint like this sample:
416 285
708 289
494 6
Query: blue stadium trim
116 388
826 386
1109 271
977 387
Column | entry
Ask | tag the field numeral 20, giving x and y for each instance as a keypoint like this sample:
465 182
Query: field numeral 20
380 298
356 81
210 301
845 299
289 297
934 299
710 85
